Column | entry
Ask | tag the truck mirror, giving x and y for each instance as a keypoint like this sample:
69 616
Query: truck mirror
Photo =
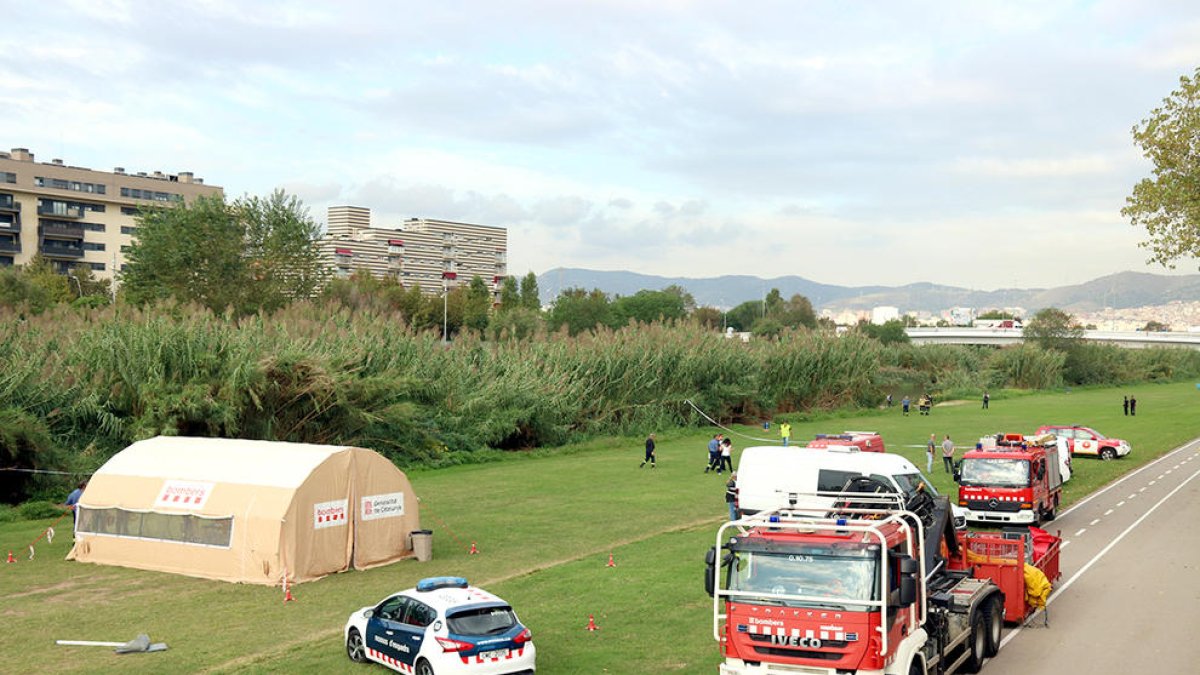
909 566
908 590
710 571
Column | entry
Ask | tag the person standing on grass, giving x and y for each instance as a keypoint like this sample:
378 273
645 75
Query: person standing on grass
1125 406
785 432
948 454
726 456
650 457
930 448
904 403
73 500
714 453
986 398
889 400
731 495
1132 406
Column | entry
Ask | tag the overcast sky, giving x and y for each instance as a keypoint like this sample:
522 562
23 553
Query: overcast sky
978 144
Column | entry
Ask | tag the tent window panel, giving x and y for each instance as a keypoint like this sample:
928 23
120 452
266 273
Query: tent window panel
176 527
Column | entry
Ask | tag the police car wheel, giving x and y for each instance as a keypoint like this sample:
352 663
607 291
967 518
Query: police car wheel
423 668
1107 454
354 647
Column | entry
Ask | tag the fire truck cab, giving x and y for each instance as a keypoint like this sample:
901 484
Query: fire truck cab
1016 480
862 587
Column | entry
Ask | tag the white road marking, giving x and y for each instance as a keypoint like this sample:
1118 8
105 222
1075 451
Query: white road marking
1104 551
1121 503
1186 446
1141 490
1154 481
1168 472
1108 512
1064 544
1094 522
1159 478
1081 532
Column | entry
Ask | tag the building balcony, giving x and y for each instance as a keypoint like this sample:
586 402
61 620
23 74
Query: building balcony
60 210
7 246
63 231
10 224
51 251
10 205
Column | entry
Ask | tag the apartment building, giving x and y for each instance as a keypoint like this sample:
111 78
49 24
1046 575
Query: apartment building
433 254
73 215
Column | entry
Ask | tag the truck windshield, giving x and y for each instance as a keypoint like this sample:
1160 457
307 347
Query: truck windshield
911 482
834 579
995 472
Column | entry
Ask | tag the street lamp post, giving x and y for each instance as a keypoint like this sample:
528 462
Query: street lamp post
445 314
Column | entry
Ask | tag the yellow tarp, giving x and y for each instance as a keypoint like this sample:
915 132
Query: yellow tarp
1037 587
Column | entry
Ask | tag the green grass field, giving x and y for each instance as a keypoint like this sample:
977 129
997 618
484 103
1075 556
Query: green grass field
545 527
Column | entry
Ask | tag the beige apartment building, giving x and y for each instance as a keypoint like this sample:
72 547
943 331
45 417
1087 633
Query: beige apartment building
73 215
433 254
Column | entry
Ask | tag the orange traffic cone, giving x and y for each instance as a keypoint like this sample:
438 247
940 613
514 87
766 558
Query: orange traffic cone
611 562
287 590
473 550
11 559
592 623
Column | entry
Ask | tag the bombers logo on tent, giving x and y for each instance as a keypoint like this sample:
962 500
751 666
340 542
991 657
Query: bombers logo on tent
330 514
390 505
182 494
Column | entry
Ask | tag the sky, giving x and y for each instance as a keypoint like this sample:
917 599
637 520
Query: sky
975 144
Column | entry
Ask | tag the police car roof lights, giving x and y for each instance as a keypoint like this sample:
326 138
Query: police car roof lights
434 583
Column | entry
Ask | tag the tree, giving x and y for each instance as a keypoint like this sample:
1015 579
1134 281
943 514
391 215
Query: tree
649 306
1168 203
254 254
510 295
85 284
996 314
1052 328
744 315
476 304
796 312
41 274
529 293
281 253
1155 327
581 310
709 317
889 332
515 324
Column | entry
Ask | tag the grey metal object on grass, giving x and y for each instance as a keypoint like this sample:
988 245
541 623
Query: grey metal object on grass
139 644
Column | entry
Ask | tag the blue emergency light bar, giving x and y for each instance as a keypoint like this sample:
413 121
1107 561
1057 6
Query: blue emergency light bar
434 583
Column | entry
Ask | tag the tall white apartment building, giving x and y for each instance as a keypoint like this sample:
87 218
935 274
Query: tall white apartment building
434 254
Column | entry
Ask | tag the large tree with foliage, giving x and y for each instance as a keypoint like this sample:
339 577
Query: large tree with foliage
1052 328
529 293
649 306
477 304
256 253
581 310
1168 203
510 294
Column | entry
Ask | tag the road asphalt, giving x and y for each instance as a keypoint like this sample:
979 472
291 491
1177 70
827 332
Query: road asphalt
1129 597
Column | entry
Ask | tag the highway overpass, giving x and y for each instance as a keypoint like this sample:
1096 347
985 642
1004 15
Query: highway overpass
998 337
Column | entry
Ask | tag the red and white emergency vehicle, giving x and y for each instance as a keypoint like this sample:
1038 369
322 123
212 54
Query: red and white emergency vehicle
865 441
1017 479
1087 441
862 588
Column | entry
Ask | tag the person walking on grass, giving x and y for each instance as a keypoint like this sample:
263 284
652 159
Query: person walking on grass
1125 406
650 456
948 454
904 404
785 432
889 400
726 456
986 399
731 495
1132 406
714 453
930 448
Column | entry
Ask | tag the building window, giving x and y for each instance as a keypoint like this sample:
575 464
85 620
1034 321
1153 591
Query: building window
125 248
6 177
74 185
129 210
151 195
96 267
93 246
128 229
92 227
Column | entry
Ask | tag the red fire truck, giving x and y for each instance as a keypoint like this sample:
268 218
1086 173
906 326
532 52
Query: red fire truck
862 588
1018 480
865 441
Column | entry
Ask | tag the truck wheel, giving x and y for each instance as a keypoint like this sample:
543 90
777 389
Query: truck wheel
1107 454
977 643
994 620
1052 513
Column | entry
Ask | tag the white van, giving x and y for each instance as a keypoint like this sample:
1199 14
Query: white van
773 477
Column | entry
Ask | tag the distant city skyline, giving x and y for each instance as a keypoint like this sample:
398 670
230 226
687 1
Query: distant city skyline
976 145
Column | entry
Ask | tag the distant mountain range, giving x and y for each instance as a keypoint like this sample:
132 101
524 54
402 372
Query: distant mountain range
1119 291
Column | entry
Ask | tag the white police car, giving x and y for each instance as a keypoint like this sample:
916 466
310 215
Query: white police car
444 625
